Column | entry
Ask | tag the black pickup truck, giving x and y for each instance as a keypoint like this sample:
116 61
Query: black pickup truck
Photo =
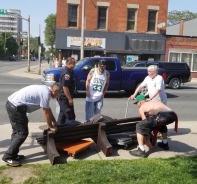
176 73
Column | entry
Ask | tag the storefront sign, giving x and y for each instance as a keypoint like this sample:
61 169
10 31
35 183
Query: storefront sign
89 42
131 58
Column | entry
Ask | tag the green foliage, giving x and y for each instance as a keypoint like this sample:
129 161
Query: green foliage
1 46
175 16
182 170
50 32
9 44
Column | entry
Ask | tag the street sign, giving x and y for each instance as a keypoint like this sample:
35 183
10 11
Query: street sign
3 11
23 33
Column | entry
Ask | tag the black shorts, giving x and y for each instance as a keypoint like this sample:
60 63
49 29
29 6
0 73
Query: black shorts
159 121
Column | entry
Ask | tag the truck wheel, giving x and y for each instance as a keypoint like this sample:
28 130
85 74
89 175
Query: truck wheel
143 91
174 83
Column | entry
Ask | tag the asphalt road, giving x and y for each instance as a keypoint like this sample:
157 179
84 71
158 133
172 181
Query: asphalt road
182 101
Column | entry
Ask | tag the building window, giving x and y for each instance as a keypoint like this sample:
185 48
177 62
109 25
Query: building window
175 57
152 20
72 15
102 17
194 68
189 58
131 16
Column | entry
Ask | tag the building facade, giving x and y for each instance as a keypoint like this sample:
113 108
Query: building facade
129 29
10 22
181 44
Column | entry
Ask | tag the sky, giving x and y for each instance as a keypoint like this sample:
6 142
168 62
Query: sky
182 5
40 9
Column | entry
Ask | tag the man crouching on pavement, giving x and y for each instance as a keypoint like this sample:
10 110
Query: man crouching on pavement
159 115
27 100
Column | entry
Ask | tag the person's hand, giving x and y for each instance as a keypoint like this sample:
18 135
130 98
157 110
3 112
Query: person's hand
70 101
148 99
55 124
53 129
131 97
87 93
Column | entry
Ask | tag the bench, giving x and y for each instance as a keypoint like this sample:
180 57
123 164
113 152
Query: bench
97 132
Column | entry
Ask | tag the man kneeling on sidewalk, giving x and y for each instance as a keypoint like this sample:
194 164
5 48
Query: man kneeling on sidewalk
159 115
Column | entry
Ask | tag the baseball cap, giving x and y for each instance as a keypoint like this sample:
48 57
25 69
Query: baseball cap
139 98
102 62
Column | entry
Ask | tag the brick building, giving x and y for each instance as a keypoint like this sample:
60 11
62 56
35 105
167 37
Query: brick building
181 44
128 29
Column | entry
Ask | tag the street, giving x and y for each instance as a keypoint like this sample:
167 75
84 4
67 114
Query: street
182 101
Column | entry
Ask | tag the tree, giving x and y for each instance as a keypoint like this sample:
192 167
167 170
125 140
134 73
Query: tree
1 46
8 45
175 16
50 32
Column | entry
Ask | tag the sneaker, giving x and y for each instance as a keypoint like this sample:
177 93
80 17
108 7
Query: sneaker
20 157
11 162
138 153
164 146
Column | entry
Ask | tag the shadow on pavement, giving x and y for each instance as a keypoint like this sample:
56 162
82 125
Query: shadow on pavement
181 131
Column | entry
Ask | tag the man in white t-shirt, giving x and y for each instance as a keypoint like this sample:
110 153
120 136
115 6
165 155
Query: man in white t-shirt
155 85
96 86
27 100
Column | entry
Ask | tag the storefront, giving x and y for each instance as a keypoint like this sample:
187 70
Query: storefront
126 46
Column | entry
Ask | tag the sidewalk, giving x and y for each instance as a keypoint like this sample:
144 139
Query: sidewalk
181 143
34 71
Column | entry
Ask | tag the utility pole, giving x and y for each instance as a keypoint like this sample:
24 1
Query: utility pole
82 29
28 53
39 51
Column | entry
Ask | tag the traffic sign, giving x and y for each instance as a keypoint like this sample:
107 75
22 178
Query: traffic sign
3 11
23 33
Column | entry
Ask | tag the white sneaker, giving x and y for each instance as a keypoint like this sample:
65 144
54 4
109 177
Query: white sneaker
11 162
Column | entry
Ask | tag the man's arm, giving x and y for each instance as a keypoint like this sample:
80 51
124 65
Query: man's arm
107 83
144 83
67 93
154 95
89 77
136 92
142 113
51 122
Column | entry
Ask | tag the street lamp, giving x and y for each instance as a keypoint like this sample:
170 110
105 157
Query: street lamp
28 51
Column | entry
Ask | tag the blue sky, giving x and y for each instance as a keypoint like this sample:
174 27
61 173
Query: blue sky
37 9
182 5
40 9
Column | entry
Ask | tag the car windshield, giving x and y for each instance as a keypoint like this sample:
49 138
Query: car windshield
132 64
80 62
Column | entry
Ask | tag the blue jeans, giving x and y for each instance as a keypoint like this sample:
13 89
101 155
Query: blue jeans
93 108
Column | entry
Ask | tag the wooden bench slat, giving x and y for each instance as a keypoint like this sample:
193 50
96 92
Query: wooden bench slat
97 132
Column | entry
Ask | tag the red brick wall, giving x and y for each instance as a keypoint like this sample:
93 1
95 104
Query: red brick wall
117 14
181 43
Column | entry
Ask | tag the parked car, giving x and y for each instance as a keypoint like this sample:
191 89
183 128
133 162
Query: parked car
33 58
12 58
121 78
176 72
